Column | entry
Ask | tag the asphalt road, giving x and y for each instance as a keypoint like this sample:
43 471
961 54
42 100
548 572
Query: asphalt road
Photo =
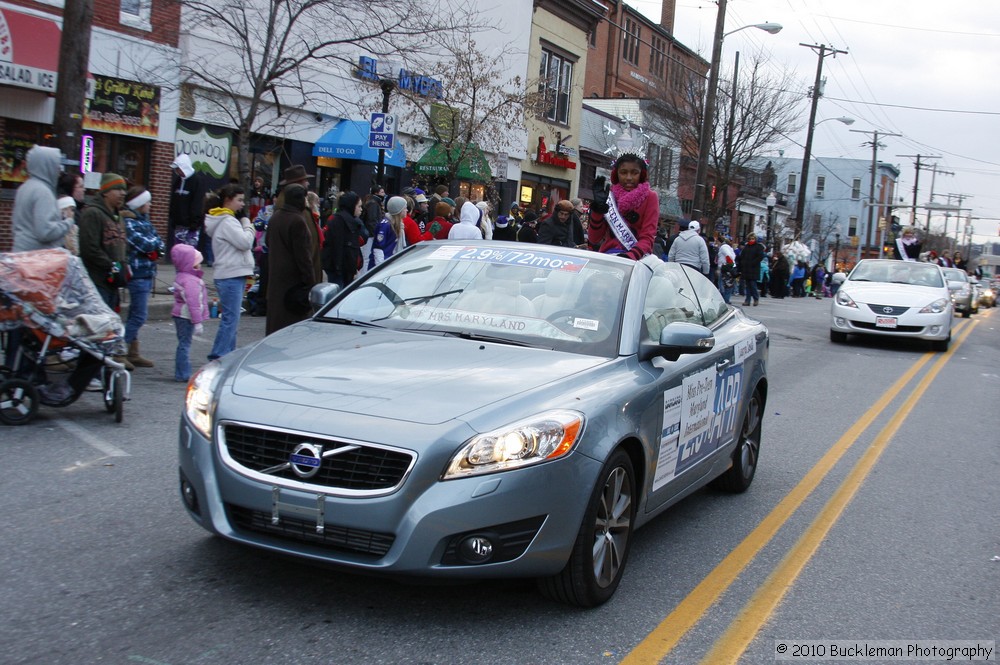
873 516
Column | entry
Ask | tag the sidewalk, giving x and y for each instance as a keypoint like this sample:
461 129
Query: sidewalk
161 301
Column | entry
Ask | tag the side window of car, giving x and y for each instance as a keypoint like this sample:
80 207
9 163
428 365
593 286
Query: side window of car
669 298
713 307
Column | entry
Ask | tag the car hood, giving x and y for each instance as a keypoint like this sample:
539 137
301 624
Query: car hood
411 377
904 295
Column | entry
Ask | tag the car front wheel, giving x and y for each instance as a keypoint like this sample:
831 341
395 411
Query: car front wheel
740 474
597 562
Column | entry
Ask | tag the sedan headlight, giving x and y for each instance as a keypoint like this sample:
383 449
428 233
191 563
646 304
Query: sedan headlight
845 300
935 307
199 405
541 438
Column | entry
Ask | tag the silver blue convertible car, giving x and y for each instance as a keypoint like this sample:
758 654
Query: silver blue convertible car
479 410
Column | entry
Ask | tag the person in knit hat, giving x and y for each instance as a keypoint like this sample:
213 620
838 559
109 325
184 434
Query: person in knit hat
144 249
103 244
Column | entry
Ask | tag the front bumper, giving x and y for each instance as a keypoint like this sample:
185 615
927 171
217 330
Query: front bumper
863 321
532 515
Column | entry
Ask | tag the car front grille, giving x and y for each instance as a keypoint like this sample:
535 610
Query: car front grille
363 469
887 310
334 537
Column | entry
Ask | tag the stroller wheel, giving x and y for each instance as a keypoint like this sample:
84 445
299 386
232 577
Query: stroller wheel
118 395
18 402
107 379
114 392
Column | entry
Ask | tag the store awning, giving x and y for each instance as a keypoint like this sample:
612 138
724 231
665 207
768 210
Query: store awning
29 51
472 167
349 140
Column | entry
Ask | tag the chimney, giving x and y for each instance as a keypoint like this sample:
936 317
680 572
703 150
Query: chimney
669 8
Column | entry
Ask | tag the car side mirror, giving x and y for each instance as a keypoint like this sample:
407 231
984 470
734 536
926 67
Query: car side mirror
677 339
321 294
838 278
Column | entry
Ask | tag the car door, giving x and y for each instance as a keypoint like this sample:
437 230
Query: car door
687 386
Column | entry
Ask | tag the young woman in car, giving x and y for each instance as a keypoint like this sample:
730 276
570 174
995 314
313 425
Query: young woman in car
632 230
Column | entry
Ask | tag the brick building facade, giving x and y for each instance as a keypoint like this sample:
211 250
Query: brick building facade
130 110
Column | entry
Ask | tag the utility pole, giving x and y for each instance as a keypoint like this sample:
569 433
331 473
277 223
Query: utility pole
916 183
71 88
708 117
817 92
871 190
958 217
930 202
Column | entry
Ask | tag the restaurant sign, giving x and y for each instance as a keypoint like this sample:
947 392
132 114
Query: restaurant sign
209 152
120 106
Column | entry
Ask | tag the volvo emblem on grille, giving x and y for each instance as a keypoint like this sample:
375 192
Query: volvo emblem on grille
887 310
306 459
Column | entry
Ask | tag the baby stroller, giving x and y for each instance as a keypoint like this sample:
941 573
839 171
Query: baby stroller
49 305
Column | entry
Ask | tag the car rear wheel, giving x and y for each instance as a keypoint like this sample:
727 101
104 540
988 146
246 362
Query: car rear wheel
740 474
601 549
838 337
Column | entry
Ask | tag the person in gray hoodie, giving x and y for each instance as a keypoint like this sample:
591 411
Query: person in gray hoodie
690 249
37 221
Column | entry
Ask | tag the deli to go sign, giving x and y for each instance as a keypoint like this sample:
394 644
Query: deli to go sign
27 77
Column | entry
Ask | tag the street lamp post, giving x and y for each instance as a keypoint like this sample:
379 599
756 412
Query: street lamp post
387 83
836 251
705 139
771 200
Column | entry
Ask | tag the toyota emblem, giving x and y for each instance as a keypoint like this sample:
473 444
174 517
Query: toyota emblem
887 310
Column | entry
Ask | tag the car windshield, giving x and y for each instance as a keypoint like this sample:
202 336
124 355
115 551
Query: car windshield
547 298
897 272
955 275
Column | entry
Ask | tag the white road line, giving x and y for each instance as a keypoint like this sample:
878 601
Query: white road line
85 436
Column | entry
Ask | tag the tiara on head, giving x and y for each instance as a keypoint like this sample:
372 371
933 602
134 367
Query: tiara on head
625 144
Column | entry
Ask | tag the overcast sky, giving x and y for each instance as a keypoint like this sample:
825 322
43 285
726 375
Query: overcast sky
925 69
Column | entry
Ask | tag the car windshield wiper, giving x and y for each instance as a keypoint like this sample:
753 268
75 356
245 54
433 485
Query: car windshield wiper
419 300
477 337
349 322
860 279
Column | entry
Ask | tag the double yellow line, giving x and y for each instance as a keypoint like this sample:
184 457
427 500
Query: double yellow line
728 649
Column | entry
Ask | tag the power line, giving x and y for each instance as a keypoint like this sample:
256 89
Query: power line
916 108
907 27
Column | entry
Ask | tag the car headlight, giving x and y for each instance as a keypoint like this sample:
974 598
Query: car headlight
845 300
935 307
541 438
199 404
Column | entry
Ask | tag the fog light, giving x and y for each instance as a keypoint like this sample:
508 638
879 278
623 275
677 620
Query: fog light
476 549
189 496
840 322
935 330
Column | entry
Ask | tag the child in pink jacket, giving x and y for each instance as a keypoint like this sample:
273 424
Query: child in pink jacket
190 305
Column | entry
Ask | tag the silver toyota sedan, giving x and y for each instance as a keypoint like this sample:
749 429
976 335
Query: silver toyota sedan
479 410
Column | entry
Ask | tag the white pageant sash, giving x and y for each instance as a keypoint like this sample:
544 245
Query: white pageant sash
902 250
618 225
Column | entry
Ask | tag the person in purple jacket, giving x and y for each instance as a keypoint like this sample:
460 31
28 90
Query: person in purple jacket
190 305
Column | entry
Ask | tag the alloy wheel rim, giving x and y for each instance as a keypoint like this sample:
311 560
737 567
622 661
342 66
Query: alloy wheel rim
612 528
751 438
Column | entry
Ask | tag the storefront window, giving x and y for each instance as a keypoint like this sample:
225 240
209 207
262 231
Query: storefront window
126 156
17 141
